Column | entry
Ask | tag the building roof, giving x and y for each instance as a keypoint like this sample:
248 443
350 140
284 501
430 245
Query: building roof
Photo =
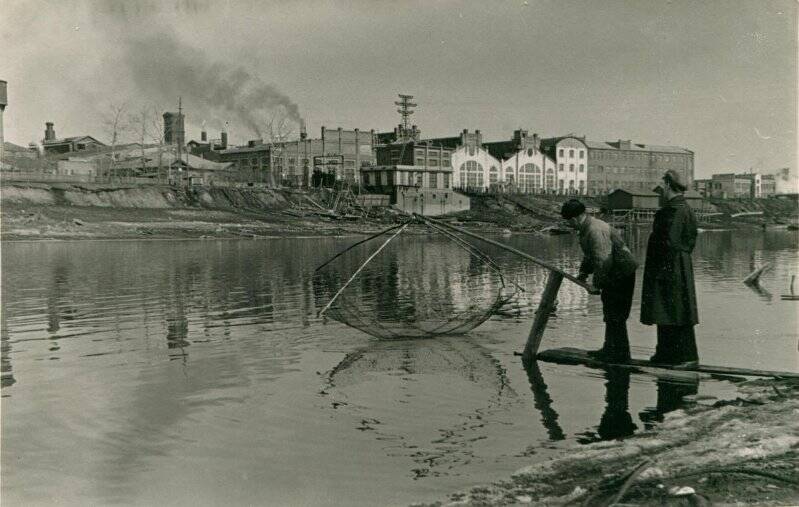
614 145
70 140
133 160
11 147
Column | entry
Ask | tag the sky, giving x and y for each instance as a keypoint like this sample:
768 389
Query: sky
716 77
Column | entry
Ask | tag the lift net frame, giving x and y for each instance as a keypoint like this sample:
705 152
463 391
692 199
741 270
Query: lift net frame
396 284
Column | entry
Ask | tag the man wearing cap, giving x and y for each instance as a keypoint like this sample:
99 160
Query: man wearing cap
668 297
613 266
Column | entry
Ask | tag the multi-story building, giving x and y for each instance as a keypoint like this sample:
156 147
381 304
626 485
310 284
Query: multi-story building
517 165
731 185
768 185
748 185
339 151
619 164
570 153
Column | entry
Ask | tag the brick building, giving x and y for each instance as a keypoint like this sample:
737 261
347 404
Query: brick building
621 164
292 163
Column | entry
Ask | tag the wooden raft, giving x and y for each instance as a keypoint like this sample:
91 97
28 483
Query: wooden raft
570 355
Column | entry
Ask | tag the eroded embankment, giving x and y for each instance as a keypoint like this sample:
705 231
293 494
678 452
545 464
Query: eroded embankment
91 211
740 452
150 197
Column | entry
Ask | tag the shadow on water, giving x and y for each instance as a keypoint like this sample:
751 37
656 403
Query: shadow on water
404 367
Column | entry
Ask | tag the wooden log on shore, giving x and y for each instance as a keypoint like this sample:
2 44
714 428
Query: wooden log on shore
754 276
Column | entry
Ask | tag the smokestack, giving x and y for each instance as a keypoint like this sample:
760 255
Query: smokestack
303 132
223 137
173 128
49 131
203 136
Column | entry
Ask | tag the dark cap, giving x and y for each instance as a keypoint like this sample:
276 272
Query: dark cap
674 180
572 208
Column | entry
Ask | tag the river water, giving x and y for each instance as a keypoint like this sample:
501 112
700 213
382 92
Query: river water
197 373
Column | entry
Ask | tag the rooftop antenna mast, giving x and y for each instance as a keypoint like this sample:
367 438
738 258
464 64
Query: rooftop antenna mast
405 110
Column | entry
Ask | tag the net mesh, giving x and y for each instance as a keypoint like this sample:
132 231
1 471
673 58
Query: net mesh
412 282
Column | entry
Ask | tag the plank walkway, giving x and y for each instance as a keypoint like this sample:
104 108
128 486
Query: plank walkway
570 355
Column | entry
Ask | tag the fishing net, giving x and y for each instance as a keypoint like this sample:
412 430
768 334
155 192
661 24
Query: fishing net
413 280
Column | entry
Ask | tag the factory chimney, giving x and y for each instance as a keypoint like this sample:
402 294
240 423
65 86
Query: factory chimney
203 134
223 140
49 131
303 132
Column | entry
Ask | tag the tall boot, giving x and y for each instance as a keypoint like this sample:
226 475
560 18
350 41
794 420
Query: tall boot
617 342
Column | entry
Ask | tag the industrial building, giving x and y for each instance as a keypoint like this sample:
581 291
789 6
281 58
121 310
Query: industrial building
292 163
738 186
605 166
53 145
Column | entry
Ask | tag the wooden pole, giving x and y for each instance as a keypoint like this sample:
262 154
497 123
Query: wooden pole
545 307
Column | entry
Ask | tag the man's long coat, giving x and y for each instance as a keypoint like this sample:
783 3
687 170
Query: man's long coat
668 296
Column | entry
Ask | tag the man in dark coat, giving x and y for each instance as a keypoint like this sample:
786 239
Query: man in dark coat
668 297
613 266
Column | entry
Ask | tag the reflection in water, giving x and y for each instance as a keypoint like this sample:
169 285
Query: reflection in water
616 421
669 398
543 402
477 390
6 373
115 420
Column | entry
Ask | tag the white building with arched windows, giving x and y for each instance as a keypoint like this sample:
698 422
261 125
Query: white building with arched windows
474 168
530 171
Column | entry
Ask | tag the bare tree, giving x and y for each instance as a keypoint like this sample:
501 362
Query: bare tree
278 128
148 126
116 125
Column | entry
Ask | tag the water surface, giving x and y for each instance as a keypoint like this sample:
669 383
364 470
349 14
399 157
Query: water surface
197 373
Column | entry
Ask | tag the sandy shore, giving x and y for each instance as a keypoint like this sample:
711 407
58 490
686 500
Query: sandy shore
739 452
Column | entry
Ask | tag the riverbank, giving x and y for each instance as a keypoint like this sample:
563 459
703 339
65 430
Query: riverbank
60 211
51 211
739 452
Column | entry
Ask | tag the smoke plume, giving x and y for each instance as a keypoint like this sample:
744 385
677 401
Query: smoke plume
162 68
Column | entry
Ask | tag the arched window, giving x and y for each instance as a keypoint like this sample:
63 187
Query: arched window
493 175
471 174
529 178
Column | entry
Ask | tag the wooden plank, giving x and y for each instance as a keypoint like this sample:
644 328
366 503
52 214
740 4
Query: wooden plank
545 307
570 355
